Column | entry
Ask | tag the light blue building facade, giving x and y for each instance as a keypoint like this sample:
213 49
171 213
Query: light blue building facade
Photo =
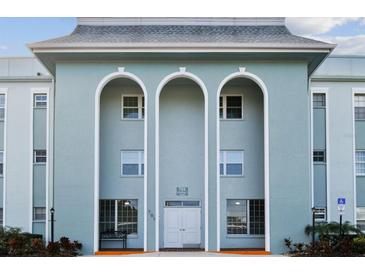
198 133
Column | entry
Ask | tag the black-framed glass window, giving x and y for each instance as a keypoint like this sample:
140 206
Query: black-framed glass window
319 156
319 100
359 106
39 213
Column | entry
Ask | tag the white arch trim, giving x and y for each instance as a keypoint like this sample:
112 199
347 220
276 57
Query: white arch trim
127 75
243 74
180 74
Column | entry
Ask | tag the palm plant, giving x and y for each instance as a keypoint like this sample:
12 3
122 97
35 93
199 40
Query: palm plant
332 230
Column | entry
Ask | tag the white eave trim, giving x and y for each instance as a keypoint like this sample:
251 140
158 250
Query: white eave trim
177 50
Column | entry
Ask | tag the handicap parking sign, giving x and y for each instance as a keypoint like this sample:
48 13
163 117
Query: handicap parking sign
341 201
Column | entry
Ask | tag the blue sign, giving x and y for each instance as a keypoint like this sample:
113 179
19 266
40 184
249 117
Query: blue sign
341 201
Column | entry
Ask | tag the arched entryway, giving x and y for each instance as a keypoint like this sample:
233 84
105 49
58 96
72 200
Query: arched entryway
120 167
242 163
181 162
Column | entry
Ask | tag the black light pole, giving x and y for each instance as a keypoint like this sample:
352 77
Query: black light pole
52 224
313 224
341 224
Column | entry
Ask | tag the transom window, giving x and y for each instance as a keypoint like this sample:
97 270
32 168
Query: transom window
319 100
360 107
360 218
39 213
231 163
182 203
230 107
1 163
319 156
245 217
2 107
132 107
119 215
40 156
132 163
360 162
40 100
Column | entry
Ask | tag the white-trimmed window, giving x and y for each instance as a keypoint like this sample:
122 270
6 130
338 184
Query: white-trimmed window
360 162
319 156
360 218
39 213
1 163
245 217
132 162
230 106
2 107
40 100
119 215
319 100
132 107
231 163
39 156
359 106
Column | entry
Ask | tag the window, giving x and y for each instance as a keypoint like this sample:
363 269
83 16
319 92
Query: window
1 216
360 218
231 163
39 213
132 163
360 107
1 163
245 217
40 100
319 156
133 107
360 162
119 215
230 107
2 107
319 100
40 156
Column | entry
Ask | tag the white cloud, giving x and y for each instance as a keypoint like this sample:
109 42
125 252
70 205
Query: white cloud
316 25
3 47
347 44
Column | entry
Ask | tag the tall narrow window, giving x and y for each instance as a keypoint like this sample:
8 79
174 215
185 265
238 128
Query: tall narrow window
132 107
2 107
360 107
40 100
257 217
319 100
40 156
231 163
319 156
132 162
360 162
39 213
119 215
230 107
360 218
1 163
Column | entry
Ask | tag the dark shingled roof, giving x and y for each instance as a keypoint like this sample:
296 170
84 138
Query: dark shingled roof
160 36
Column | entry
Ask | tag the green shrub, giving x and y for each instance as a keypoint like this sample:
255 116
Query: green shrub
359 245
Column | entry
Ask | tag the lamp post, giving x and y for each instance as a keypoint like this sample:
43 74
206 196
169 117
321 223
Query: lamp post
52 224
313 224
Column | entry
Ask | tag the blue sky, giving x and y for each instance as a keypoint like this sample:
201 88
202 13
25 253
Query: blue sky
347 32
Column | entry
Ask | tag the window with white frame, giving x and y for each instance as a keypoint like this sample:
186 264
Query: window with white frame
319 100
360 162
39 213
1 216
132 107
245 217
359 106
132 162
40 100
39 156
2 107
319 156
360 218
119 215
1 163
231 163
230 107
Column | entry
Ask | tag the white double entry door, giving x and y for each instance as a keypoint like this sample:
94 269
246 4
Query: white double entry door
182 227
